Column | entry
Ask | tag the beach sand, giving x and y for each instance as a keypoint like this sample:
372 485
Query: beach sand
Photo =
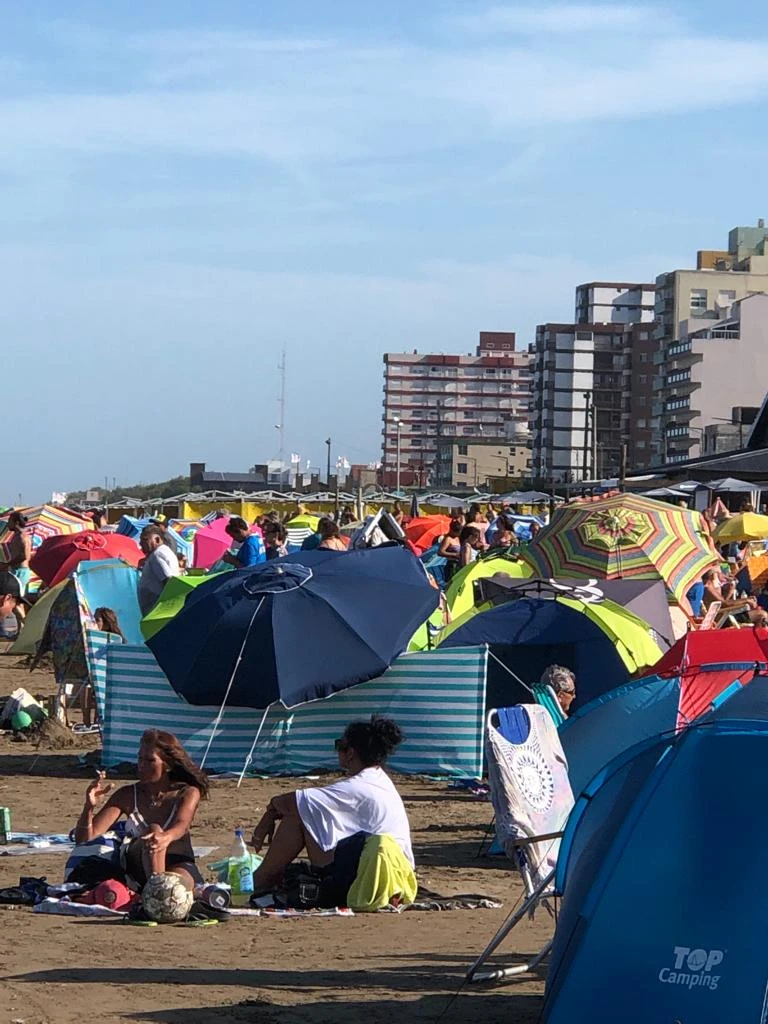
373 968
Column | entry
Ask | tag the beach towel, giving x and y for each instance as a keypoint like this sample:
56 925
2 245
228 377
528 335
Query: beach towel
95 860
427 900
530 791
290 912
65 908
383 873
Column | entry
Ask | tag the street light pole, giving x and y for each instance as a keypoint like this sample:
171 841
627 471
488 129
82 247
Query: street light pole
399 425
328 464
587 406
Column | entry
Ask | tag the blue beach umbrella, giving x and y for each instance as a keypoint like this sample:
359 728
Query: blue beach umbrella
295 629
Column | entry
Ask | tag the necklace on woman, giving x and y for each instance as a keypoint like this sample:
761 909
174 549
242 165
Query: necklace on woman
155 801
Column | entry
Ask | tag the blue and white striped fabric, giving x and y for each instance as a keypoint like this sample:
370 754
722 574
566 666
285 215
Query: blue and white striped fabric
437 697
295 537
96 643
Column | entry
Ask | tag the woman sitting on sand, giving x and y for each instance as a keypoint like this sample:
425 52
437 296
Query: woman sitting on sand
160 809
319 818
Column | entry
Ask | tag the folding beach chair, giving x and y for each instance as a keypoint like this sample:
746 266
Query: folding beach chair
547 697
532 799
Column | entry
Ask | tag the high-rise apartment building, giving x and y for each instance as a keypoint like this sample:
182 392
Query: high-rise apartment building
591 379
715 368
614 302
431 396
708 356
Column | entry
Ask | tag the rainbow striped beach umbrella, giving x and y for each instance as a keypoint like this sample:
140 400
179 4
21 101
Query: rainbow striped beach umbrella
47 521
624 536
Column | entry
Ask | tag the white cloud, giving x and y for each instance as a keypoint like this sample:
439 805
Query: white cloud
120 179
565 19
314 103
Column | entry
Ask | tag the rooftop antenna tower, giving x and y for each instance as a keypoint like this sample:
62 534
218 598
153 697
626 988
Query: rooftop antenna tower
281 407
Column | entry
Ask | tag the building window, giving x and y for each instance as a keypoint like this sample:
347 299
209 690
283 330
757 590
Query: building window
643 378
643 357
463 449
698 300
461 467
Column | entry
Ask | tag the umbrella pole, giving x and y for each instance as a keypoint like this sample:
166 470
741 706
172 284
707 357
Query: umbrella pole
249 758
229 684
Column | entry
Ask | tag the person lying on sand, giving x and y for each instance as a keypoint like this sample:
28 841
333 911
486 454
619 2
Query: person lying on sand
160 809
319 818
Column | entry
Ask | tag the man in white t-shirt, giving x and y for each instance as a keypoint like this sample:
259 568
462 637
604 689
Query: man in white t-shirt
319 818
159 565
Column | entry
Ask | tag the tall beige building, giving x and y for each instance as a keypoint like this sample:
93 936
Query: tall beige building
710 353
462 462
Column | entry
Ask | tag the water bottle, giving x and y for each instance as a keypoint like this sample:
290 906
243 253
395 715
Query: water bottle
240 869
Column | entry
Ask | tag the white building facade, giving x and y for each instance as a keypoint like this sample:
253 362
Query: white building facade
614 302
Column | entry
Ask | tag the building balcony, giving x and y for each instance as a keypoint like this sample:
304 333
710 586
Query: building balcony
677 349
680 415
724 333
680 388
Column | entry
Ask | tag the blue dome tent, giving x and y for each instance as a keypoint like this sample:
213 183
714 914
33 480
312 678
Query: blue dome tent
661 874
639 710
528 634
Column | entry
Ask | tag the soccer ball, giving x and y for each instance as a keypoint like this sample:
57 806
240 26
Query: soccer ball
166 899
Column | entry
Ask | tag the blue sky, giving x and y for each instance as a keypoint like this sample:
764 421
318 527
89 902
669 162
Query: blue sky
189 186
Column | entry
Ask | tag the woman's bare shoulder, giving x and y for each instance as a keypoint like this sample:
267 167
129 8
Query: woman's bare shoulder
123 797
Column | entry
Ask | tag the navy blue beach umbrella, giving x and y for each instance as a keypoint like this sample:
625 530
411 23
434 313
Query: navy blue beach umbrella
295 629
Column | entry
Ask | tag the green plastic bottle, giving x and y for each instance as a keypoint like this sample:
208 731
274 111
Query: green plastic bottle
240 874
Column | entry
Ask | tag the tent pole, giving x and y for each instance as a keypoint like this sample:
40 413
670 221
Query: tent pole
217 722
508 669
249 758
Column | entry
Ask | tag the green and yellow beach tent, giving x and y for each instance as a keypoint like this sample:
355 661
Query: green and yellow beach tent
175 592
426 635
35 622
459 593
305 521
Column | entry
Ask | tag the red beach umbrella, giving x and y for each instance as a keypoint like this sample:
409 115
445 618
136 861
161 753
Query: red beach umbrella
424 531
57 557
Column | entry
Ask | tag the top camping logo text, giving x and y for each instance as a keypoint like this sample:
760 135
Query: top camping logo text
693 968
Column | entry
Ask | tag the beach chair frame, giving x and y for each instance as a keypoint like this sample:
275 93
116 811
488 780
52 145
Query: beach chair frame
535 897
